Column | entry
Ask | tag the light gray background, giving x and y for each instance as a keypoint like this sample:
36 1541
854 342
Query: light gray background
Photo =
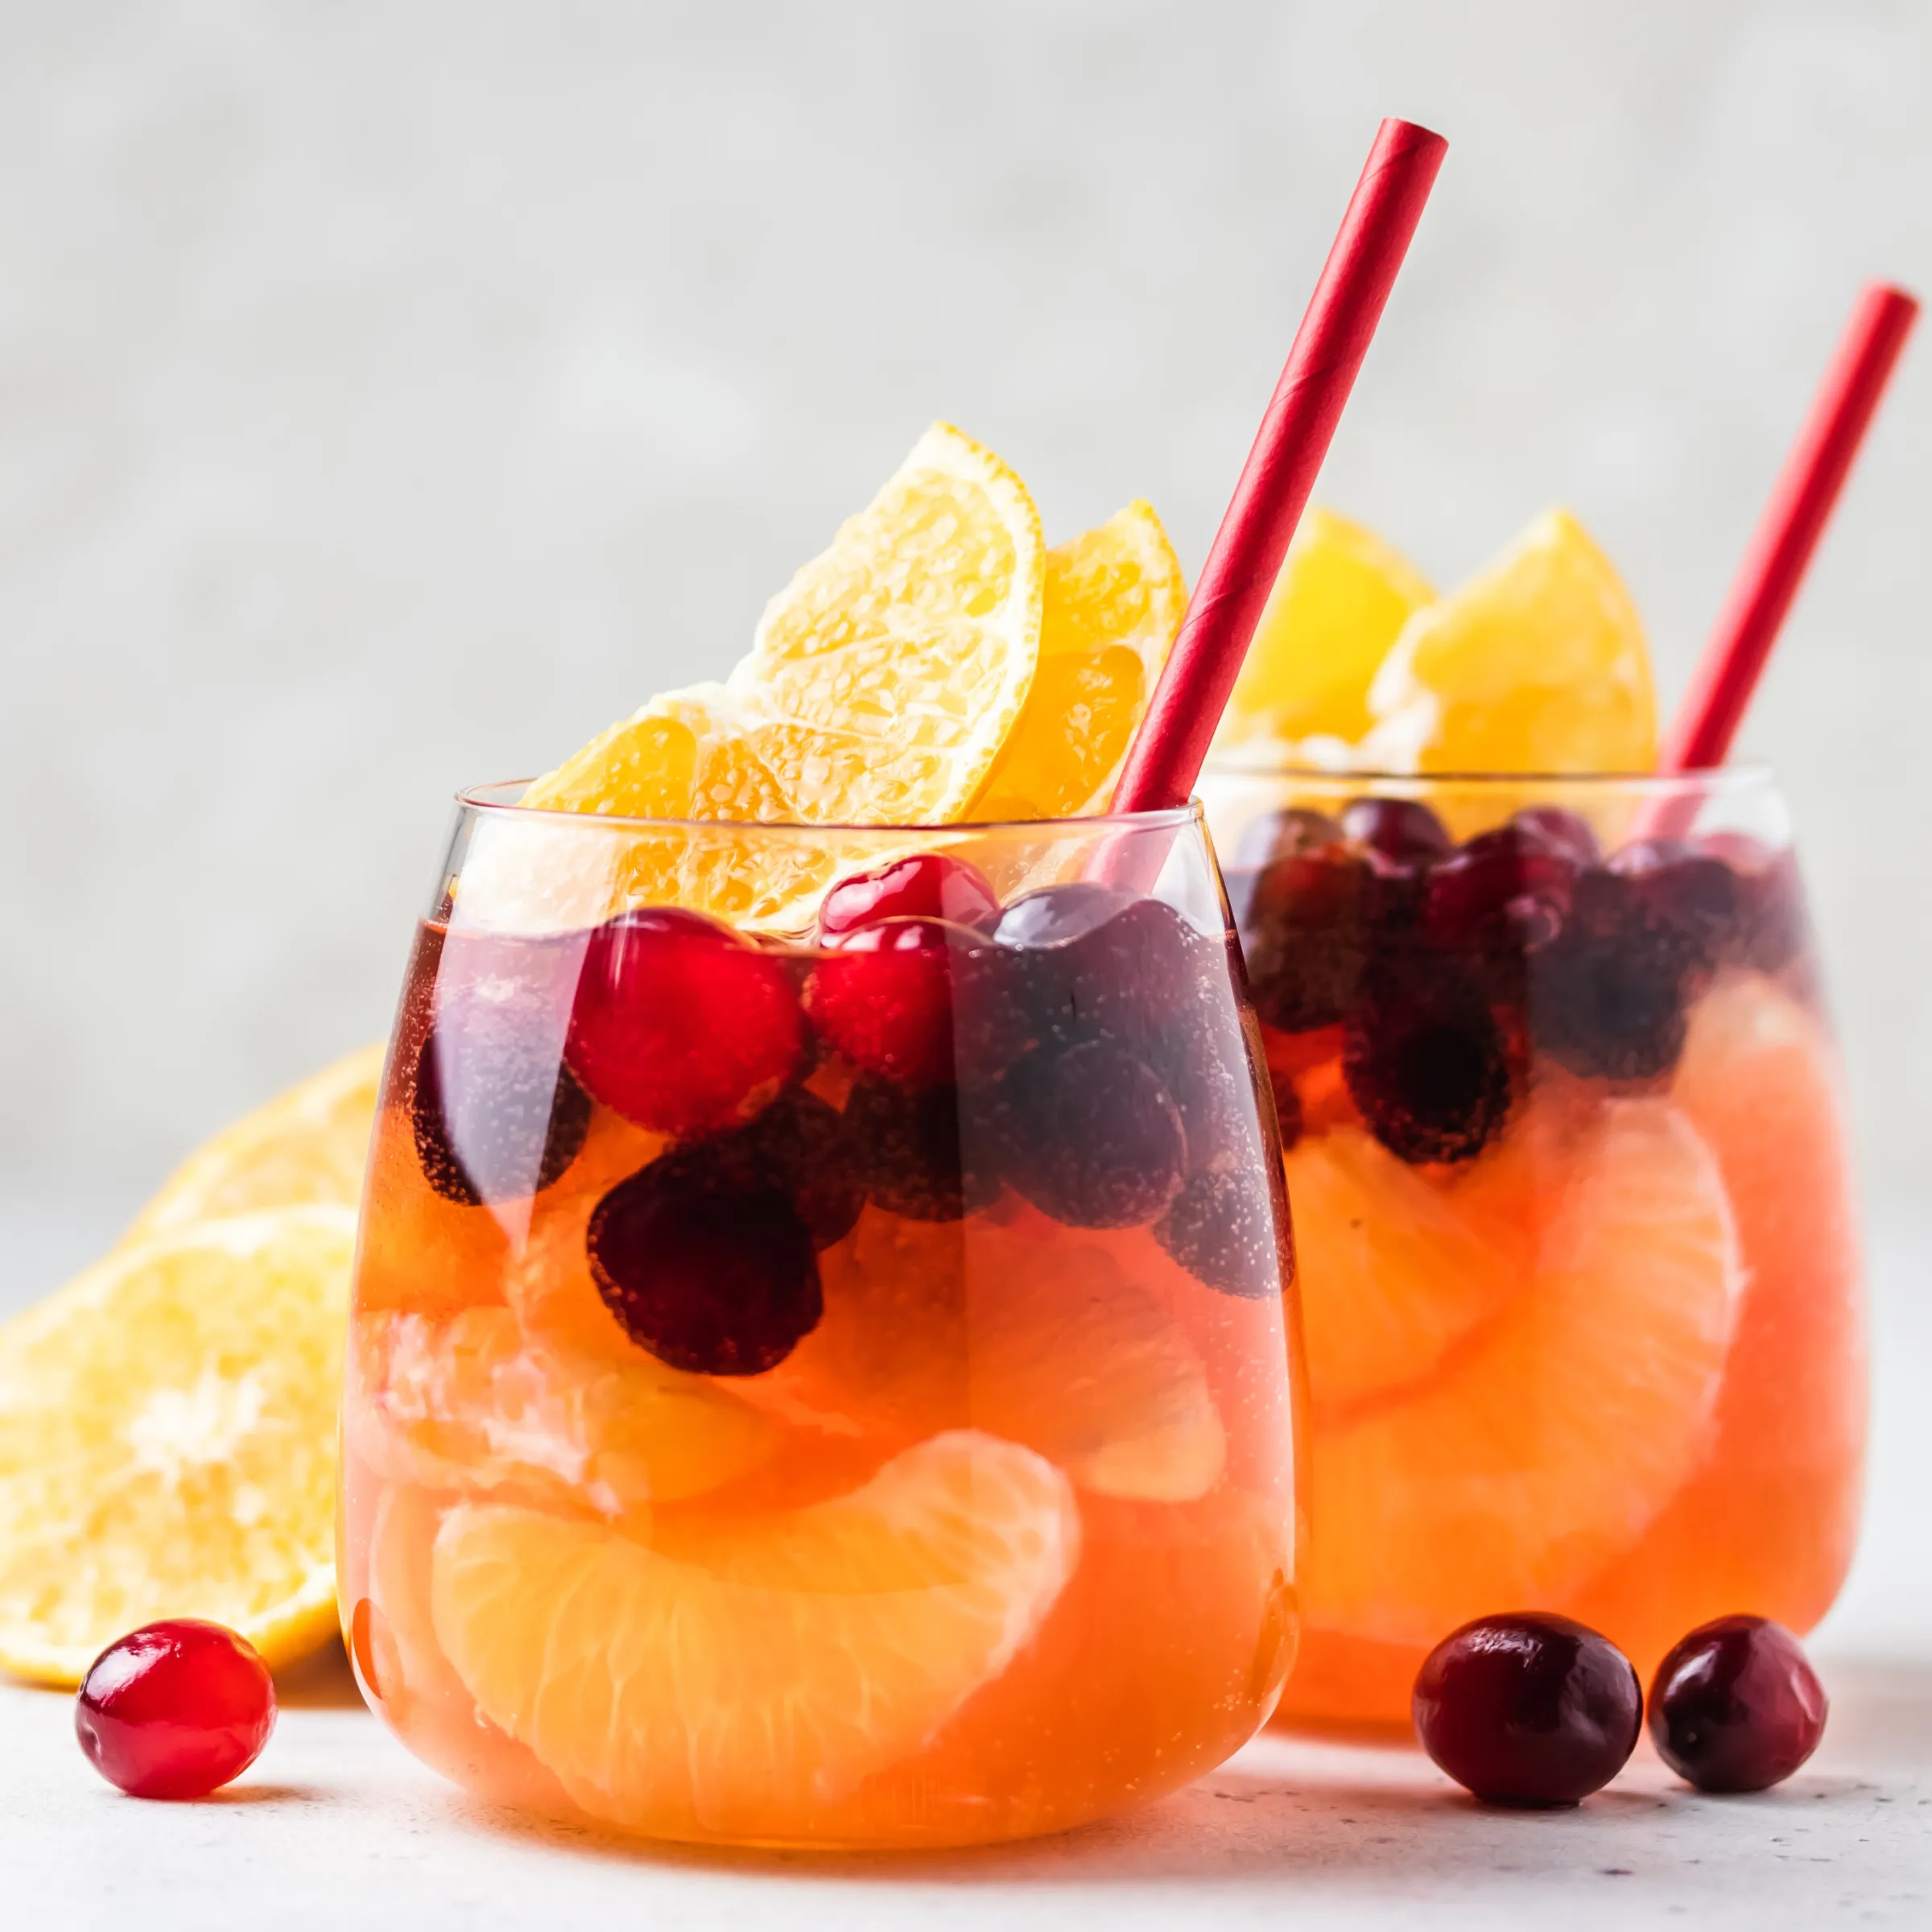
392 394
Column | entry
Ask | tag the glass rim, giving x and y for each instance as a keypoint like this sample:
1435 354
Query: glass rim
1739 776
1168 818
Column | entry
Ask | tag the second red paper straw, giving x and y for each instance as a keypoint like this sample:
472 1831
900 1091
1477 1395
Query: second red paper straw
1172 743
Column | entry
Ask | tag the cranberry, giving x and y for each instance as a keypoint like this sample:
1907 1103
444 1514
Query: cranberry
1284 834
496 1116
1735 1706
1427 1064
799 1142
1699 895
884 999
1504 893
927 885
1306 938
1568 831
175 1709
1529 1709
1228 1228
681 1026
1201 1056
1774 928
1404 831
707 1272
1607 999
922 1151
1090 1136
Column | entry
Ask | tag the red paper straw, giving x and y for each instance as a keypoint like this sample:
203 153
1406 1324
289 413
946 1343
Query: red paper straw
1167 752
1793 521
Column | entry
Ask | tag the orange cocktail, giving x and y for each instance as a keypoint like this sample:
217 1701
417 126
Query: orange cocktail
824 1386
1580 1272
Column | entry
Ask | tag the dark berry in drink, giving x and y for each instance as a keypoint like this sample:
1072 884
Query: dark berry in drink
1774 930
1228 1228
1090 1136
1569 831
1428 1065
1404 832
496 1114
709 1273
884 998
1607 999
925 885
1679 887
1530 1709
801 1143
175 1709
1306 938
1735 1706
923 1151
1202 1058
1284 834
1502 895
680 1025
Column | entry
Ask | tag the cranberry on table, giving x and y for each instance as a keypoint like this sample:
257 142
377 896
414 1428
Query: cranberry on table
175 1709
884 998
1735 1706
680 1025
707 1272
1528 1709
925 885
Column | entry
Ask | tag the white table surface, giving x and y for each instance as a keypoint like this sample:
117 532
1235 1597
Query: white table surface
337 1826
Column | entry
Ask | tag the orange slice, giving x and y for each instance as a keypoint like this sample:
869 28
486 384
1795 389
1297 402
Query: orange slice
1114 599
1537 665
1340 602
470 1403
168 1443
1549 1444
1026 1331
736 1683
308 1146
1397 1263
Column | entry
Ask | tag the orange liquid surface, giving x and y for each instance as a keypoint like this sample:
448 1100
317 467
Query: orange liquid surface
1004 1545
1615 1367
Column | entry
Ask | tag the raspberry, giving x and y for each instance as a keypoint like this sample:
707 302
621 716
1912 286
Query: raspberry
922 1151
1428 1066
1090 1136
1404 831
800 1143
709 1274
1607 999
175 1709
1229 1228
680 1025
927 885
885 999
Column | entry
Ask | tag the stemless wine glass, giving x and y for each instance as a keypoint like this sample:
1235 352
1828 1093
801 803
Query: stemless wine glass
819 1372
1580 1274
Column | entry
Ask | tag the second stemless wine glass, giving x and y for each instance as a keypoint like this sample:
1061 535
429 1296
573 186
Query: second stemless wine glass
822 1381
1580 1275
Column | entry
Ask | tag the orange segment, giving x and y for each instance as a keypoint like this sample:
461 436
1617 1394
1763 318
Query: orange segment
1027 1331
1549 1444
470 1404
1114 599
1340 601
308 1146
1397 1263
738 1682
168 1443
1538 664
